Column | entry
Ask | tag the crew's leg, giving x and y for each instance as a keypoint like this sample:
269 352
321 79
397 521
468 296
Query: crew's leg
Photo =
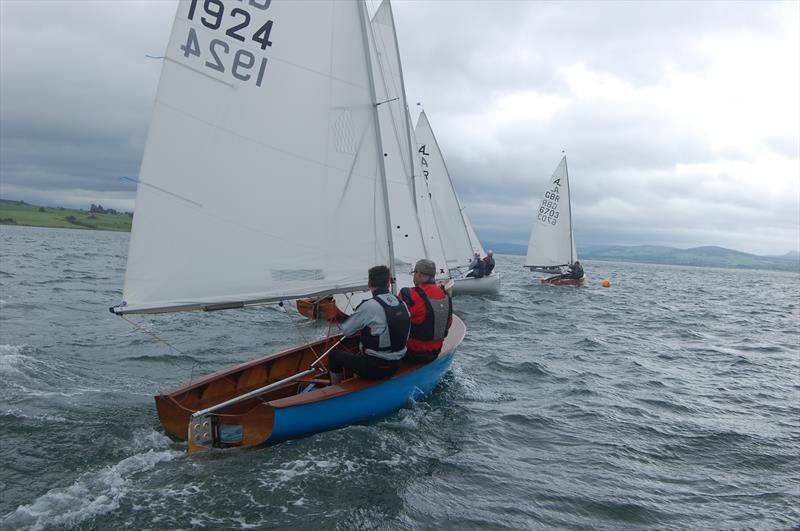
341 359
378 369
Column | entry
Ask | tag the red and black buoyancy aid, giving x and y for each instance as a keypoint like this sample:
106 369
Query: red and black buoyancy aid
398 324
430 333
488 265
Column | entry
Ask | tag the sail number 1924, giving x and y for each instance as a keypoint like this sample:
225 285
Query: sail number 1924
234 24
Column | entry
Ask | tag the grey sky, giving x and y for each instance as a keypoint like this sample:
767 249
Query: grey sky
680 119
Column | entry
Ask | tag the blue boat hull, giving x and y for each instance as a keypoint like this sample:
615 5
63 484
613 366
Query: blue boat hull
367 404
233 407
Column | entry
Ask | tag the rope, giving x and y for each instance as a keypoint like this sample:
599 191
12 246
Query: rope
145 331
151 334
303 337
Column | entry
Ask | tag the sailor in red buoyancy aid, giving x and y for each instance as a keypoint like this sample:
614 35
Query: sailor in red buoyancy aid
488 263
431 312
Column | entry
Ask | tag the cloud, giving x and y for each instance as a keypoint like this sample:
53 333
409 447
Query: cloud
76 94
681 120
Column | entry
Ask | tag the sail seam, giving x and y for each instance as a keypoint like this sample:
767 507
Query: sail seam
198 71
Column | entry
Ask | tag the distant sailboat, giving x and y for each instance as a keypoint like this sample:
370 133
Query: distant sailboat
457 235
244 136
552 242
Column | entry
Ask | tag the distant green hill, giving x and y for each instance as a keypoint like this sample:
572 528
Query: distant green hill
22 213
707 256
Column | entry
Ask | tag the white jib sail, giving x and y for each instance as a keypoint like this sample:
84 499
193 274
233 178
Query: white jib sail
458 248
552 240
409 245
261 178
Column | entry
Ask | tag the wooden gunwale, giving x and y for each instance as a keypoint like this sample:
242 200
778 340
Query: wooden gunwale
248 364
176 406
174 415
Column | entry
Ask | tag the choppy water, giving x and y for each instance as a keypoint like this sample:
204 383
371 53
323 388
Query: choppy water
667 401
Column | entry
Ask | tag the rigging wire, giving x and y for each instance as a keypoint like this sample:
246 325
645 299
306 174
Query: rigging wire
303 338
155 336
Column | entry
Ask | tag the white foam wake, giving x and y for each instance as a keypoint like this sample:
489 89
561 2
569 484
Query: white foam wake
26 376
18 413
92 494
12 358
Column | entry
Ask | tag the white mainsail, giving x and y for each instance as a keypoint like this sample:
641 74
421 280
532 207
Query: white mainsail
409 244
427 217
473 238
262 177
552 240
390 72
454 227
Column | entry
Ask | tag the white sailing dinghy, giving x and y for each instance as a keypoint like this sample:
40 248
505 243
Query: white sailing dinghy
252 127
552 242
457 235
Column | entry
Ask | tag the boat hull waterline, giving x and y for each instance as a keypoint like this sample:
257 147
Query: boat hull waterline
288 412
477 286
558 281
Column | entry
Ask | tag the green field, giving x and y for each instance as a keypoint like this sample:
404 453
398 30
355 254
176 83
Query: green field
19 213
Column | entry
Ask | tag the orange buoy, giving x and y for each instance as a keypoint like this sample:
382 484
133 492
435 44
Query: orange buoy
606 283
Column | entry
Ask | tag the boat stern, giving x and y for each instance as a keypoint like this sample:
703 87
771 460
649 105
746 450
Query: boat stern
230 431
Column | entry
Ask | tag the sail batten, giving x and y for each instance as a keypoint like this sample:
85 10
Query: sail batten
276 146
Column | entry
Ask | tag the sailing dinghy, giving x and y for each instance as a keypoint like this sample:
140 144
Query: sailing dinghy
457 235
265 109
552 242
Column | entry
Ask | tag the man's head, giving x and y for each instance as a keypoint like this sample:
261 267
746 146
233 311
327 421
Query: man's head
489 253
424 271
378 277
477 254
